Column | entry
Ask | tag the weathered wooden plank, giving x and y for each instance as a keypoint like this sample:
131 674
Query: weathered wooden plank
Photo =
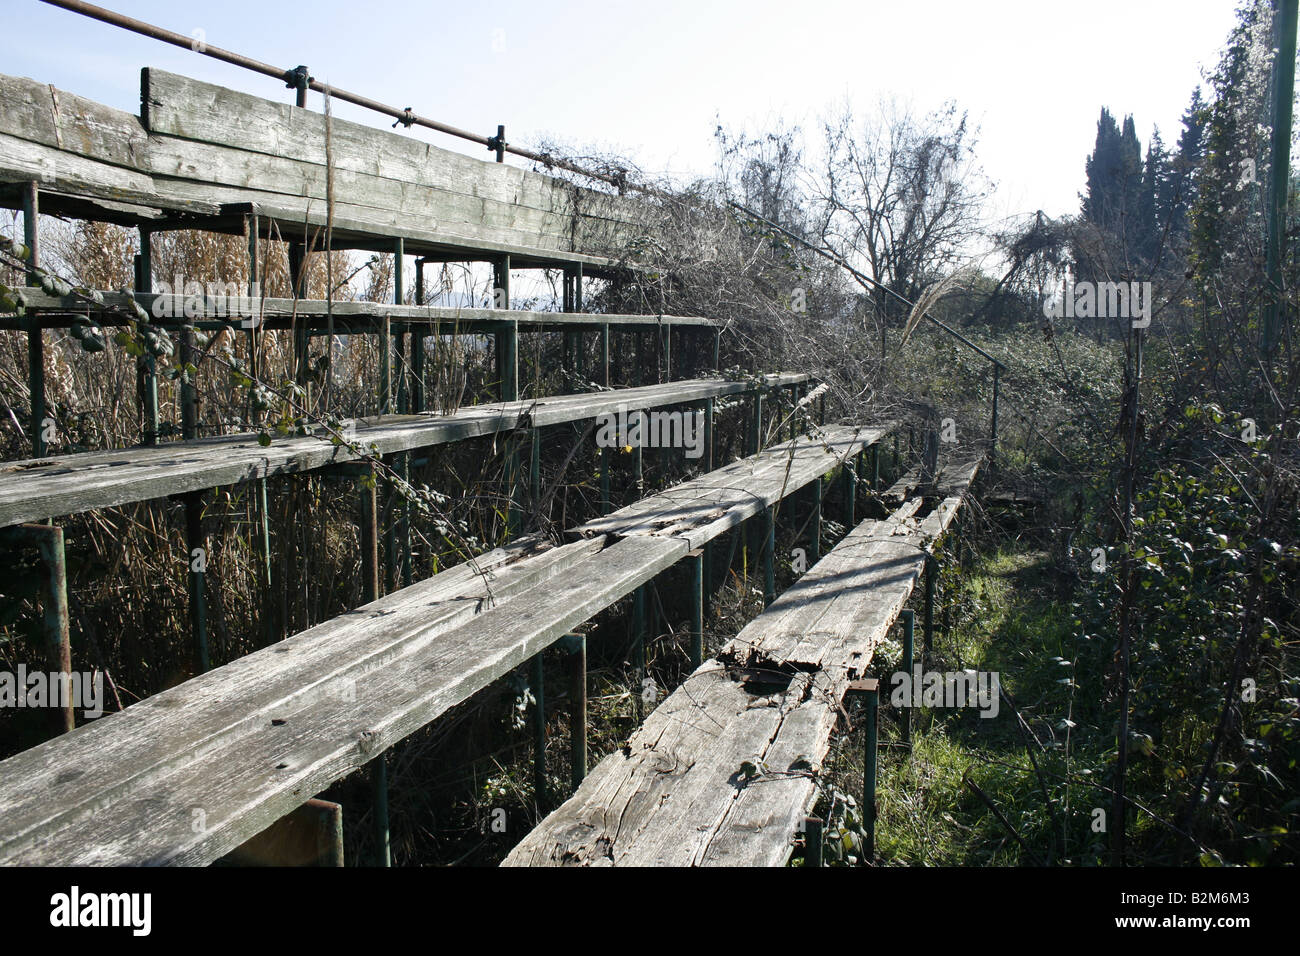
149 738
210 148
706 507
40 488
178 106
38 113
243 782
677 795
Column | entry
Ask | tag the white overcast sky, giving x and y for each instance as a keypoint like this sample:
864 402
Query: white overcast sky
652 79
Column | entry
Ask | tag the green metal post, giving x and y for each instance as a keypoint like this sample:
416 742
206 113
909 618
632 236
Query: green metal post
696 570
717 348
53 590
539 732
812 829
535 470
606 459
815 532
148 364
769 556
379 803
850 479
930 584
638 641
35 334
576 645
418 355
197 555
369 540
908 617
604 353
872 696
708 434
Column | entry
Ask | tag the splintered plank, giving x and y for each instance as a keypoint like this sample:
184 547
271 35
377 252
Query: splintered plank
238 780
700 510
40 488
723 770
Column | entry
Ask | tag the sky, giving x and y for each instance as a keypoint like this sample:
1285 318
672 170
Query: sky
652 80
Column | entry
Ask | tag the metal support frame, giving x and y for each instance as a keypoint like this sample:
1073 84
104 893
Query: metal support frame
147 366
815 523
755 437
695 567
48 541
539 731
769 555
606 459
868 689
849 473
575 645
908 619
931 573
604 353
708 435
638 641
419 398
369 538
812 834
35 335
507 335
379 807
196 558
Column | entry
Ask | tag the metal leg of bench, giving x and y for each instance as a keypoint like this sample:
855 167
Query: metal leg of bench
638 642
769 556
605 461
812 828
908 619
48 541
869 773
604 353
196 548
815 530
535 471
696 561
264 508
850 479
708 435
930 585
576 645
379 804
369 539
539 731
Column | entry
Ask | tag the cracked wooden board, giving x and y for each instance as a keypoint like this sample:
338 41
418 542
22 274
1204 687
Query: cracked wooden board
676 795
51 487
704 508
242 752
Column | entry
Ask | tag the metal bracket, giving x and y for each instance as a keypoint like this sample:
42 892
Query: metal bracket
297 78
407 119
497 144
